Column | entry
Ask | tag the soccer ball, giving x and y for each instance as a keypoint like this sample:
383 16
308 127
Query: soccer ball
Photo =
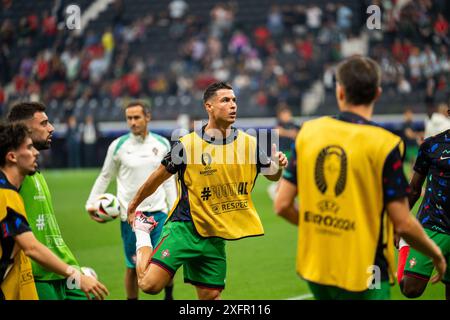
108 207
87 271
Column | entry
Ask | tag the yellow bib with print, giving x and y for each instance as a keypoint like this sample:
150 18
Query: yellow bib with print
18 282
219 179
339 174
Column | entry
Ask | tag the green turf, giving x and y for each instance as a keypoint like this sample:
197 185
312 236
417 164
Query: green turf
258 268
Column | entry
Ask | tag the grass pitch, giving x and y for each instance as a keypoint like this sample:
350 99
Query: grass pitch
258 268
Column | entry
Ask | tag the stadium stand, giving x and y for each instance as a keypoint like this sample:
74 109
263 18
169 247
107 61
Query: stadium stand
271 52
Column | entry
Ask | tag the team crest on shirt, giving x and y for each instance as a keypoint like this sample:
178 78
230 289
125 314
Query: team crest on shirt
412 263
165 253
155 151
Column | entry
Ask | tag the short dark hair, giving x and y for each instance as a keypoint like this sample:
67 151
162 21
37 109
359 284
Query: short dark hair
12 135
360 77
213 88
25 110
135 103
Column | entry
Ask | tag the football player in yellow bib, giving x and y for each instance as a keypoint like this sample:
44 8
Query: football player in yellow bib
346 171
217 167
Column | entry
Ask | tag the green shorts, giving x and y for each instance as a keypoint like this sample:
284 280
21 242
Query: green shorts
57 290
322 292
421 266
203 259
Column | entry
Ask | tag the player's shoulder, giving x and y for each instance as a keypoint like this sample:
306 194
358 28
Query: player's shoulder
119 142
4 183
242 133
440 137
431 143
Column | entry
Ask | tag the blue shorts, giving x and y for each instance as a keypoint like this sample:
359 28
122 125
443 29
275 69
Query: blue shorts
129 238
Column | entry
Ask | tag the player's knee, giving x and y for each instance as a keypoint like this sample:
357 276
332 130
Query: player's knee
410 290
149 286
209 294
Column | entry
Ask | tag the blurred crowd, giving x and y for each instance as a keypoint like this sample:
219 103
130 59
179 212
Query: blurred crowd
270 63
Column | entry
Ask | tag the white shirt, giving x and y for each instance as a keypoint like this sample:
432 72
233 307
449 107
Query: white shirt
436 124
131 159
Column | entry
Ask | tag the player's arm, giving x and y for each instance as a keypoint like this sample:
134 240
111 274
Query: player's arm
16 226
285 201
108 172
416 184
170 189
172 163
149 187
421 168
46 258
278 161
288 133
409 229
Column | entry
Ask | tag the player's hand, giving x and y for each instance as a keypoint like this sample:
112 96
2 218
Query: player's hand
278 157
93 214
441 265
131 213
90 285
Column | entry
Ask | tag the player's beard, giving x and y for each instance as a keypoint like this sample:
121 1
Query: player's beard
31 173
41 145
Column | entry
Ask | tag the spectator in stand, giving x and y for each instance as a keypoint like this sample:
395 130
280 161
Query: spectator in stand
414 64
428 61
23 32
314 18
7 34
71 60
89 136
239 44
33 23
119 10
26 67
441 29
73 143
41 68
108 41
177 9
49 29
275 21
222 19
344 17
444 61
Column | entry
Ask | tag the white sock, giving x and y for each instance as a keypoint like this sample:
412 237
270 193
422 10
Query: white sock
402 243
142 239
